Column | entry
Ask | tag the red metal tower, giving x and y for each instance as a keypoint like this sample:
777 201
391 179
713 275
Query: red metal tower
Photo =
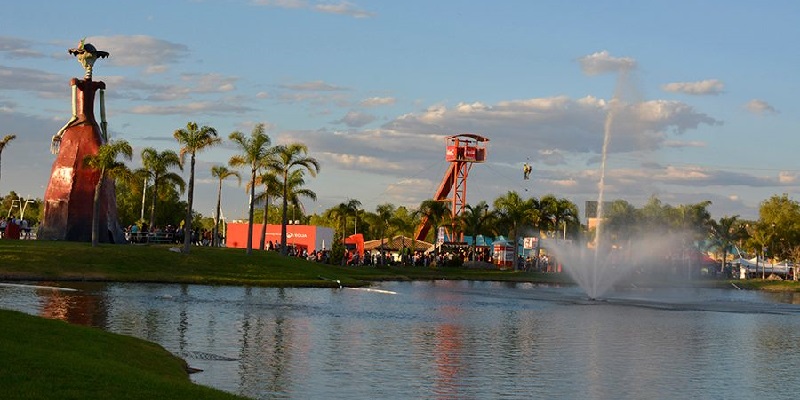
461 151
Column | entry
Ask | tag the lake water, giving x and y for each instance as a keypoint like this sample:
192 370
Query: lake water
453 340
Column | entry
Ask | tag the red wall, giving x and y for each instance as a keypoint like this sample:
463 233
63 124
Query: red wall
304 236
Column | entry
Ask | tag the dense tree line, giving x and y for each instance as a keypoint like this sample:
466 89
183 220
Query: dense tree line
153 195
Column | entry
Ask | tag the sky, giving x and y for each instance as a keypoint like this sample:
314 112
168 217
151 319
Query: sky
701 94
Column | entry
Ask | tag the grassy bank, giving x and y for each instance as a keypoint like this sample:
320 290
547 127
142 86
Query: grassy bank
59 261
43 359
50 260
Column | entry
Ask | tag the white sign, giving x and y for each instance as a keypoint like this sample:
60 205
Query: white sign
529 243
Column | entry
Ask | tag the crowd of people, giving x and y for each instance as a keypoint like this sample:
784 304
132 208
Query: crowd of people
14 228
142 233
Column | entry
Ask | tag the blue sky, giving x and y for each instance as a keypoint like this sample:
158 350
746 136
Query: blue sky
704 92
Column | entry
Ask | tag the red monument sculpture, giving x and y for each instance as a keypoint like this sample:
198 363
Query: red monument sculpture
70 191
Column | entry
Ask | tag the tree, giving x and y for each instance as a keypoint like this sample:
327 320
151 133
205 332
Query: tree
383 218
341 211
220 172
437 213
566 214
780 219
287 159
193 139
406 223
475 220
272 188
156 168
620 221
295 190
513 213
3 144
106 162
726 234
255 151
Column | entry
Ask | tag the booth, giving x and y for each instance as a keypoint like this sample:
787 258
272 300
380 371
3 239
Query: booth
503 254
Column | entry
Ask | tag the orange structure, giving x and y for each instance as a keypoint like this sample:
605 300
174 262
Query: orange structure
461 152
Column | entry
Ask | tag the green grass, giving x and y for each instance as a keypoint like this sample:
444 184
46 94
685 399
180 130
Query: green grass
59 261
51 260
43 359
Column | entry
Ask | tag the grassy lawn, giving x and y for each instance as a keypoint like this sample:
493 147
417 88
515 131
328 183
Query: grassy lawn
54 261
50 359
51 260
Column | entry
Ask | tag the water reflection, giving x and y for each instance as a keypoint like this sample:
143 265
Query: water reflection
452 339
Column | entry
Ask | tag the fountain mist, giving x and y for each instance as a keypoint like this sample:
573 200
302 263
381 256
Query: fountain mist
597 270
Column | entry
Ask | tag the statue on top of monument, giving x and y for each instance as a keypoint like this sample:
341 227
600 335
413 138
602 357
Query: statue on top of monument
87 54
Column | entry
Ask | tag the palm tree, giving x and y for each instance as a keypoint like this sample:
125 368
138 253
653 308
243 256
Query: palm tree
287 159
406 223
255 151
220 172
193 139
513 213
569 214
726 234
4 143
384 214
475 220
156 167
437 213
106 162
272 187
341 212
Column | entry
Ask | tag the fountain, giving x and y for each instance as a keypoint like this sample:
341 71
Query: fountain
646 260
598 268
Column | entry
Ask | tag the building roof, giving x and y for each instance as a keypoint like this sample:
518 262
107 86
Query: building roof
397 243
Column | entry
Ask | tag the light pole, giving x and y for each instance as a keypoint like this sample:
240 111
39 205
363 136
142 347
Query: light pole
144 196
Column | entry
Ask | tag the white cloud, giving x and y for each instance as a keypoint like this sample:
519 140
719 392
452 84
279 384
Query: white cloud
602 62
208 83
361 162
760 107
316 86
191 108
355 119
18 48
378 101
787 177
43 83
551 157
341 8
559 122
684 143
706 87
140 51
